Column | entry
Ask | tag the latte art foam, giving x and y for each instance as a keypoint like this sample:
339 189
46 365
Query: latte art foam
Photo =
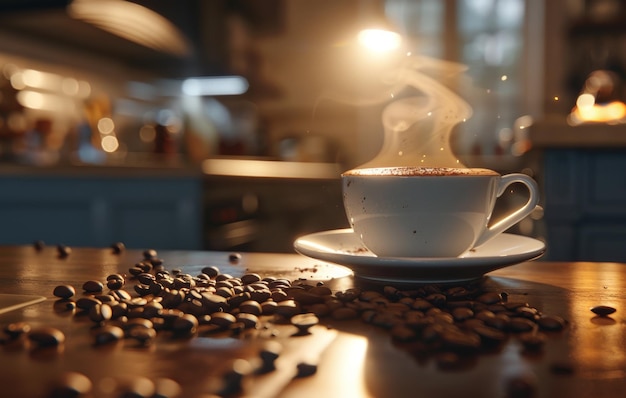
416 171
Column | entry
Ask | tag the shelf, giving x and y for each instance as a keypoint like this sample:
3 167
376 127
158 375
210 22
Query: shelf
554 132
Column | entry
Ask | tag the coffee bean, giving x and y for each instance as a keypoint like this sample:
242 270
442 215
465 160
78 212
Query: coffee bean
287 308
118 247
39 245
137 387
237 300
249 321
489 335
93 286
521 325
551 323
527 312
437 299
320 291
149 254
268 355
251 307
462 313
460 341
223 319
232 380
46 336
85 303
225 292
100 313
64 251
71 385
279 283
234 257
603 310
145 265
306 298
140 323
248 279
115 282
118 310
500 322
269 307
369 295
146 278
421 305
279 295
213 302
121 295
152 309
305 369
136 302
211 271
142 290
64 291
484 315
143 336
489 298
156 262
108 334
304 322
348 295
185 325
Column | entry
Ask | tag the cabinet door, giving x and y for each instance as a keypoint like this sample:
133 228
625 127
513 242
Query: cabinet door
602 242
563 184
604 189
141 212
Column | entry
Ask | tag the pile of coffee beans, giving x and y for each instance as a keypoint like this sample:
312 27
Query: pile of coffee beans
452 325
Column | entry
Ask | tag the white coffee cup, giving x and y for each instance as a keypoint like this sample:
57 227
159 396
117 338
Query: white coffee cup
429 212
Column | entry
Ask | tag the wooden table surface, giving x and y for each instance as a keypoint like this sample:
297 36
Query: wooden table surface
354 358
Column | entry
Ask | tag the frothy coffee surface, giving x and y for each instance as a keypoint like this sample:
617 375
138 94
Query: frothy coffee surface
408 171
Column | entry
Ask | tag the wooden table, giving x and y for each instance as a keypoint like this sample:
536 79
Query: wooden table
354 358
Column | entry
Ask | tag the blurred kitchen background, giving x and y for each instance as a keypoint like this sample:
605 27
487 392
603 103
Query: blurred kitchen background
196 124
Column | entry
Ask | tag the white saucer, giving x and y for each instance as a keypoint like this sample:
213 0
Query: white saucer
343 247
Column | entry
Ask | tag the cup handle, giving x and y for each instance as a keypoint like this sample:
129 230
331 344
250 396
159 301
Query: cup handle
517 215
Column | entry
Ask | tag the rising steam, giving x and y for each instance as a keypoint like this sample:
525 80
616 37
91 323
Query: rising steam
417 129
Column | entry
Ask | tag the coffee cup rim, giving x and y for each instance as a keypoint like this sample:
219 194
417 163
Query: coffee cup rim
388 171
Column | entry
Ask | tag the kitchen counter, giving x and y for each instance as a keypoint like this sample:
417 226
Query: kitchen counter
339 357
219 166
554 132
171 204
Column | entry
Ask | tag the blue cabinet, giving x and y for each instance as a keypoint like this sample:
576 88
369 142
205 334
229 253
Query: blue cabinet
143 210
585 204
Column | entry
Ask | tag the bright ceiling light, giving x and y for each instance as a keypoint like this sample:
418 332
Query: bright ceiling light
133 22
379 40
